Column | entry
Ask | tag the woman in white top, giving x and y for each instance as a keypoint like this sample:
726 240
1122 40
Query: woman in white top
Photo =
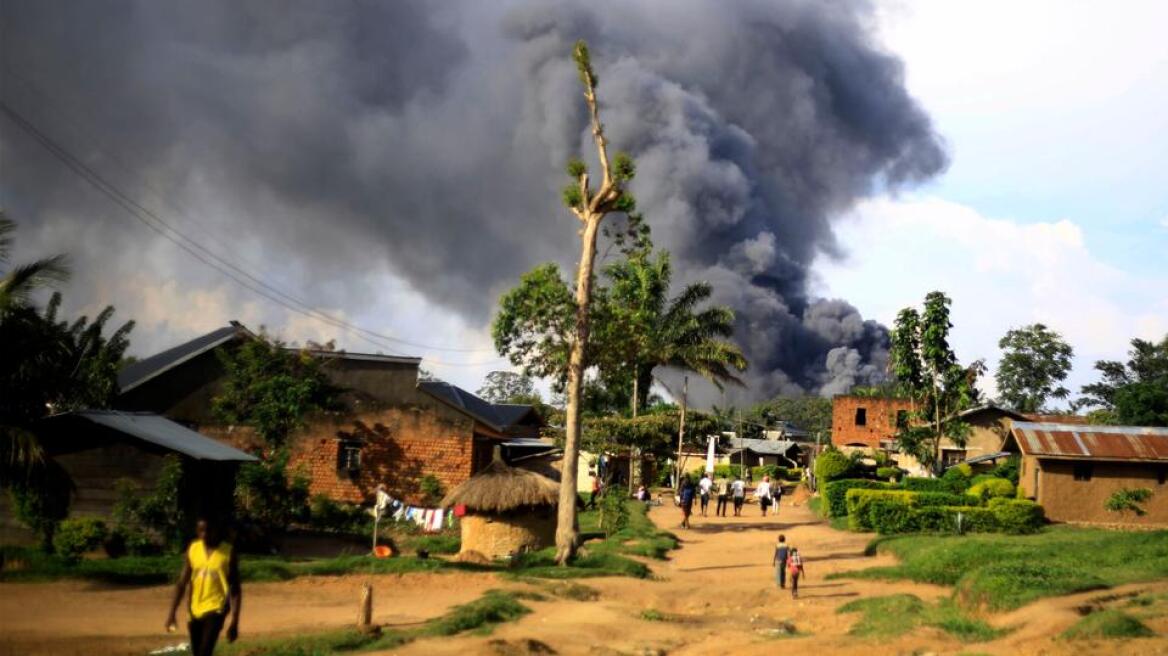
763 494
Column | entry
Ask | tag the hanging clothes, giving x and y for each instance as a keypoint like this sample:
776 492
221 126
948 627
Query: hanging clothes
436 520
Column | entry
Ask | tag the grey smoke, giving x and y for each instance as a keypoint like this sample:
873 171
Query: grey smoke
331 139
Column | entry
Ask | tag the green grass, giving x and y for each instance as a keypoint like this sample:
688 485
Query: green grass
1107 624
653 615
480 616
639 538
893 615
816 506
1003 572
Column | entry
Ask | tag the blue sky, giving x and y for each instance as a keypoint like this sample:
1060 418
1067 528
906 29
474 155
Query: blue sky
1055 206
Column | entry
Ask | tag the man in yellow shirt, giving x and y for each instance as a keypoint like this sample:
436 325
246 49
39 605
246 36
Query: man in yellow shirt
211 569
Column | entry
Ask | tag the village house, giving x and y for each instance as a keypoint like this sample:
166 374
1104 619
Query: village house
389 428
91 452
1073 469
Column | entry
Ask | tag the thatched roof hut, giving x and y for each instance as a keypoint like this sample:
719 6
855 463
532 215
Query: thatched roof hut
508 510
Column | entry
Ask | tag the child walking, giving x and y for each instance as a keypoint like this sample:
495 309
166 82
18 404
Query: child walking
779 561
794 570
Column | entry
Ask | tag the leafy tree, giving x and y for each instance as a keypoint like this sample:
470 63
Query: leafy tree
1136 392
535 323
811 413
1035 361
922 361
271 389
507 387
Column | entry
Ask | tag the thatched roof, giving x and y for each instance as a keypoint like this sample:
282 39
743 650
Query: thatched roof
499 488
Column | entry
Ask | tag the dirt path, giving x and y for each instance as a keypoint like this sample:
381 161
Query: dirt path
716 595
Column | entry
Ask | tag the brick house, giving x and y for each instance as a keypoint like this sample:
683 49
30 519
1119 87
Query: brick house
1072 469
389 427
867 422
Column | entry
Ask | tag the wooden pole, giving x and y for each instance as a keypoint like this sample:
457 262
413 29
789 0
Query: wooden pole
681 431
365 614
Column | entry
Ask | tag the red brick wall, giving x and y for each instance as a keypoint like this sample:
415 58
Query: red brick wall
400 446
881 420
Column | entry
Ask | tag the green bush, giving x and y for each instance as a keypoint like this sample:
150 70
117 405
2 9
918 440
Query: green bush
41 501
765 470
974 519
267 496
792 474
832 465
724 471
77 536
919 484
933 519
614 513
858 502
328 515
928 499
990 488
959 474
1007 469
1017 515
836 493
889 473
141 514
889 516
431 489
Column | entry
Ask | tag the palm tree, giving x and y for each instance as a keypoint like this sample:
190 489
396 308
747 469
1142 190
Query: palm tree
21 341
650 330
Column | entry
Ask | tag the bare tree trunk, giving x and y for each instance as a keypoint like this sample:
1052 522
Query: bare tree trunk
634 452
681 431
567 532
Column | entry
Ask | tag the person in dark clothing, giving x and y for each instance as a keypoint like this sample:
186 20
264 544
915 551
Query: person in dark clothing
597 487
779 561
686 499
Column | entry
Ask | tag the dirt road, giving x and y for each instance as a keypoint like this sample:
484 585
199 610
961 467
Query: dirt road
715 596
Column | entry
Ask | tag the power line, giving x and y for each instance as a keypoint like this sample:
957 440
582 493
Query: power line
206 256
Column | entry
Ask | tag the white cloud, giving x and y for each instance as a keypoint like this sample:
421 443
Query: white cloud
1000 274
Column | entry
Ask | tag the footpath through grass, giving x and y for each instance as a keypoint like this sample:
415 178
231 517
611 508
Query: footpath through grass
480 616
1003 572
601 557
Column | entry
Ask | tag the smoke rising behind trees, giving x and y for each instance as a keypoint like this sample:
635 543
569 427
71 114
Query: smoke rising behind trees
428 139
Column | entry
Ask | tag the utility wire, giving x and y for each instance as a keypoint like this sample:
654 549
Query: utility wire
208 257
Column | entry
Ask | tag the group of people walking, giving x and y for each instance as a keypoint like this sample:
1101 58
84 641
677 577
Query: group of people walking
725 491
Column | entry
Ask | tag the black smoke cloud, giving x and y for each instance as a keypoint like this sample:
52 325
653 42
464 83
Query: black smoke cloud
430 138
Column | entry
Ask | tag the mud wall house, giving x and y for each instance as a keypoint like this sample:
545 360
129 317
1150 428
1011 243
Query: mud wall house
1073 469
92 450
388 427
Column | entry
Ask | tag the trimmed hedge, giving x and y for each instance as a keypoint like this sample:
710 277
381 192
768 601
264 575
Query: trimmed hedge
919 484
1018 515
862 505
832 465
889 473
835 493
989 487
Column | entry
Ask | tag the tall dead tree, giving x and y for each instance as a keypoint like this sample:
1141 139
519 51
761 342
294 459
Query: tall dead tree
590 206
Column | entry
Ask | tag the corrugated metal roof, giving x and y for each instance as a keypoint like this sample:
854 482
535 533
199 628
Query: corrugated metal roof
499 416
1088 442
160 431
147 368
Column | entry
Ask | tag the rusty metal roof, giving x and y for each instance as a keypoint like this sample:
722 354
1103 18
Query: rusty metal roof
1087 442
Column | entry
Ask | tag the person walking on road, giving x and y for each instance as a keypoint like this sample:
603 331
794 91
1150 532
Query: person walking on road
738 491
211 570
779 561
686 499
763 494
722 489
794 570
704 487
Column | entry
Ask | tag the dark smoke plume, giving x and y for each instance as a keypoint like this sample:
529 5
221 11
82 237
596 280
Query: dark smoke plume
328 140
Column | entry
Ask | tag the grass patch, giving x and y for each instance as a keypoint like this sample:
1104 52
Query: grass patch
480 616
1107 624
653 615
893 615
639 538
1003 572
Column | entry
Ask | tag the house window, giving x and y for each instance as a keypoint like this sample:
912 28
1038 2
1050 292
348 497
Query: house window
1083 472
901 418
950 457
349 458
861 416
1162 475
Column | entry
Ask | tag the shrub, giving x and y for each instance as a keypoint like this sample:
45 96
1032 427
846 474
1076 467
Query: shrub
959 474
889 473
614 513
1017 515
139 513
836 493
725 471
431 488
757 473
928 499
832 465
268 497
1128 500
919 484
41 501
989 488
859 504
933 519
77 536
1007 469
326 514
889 516
793 474
973 519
